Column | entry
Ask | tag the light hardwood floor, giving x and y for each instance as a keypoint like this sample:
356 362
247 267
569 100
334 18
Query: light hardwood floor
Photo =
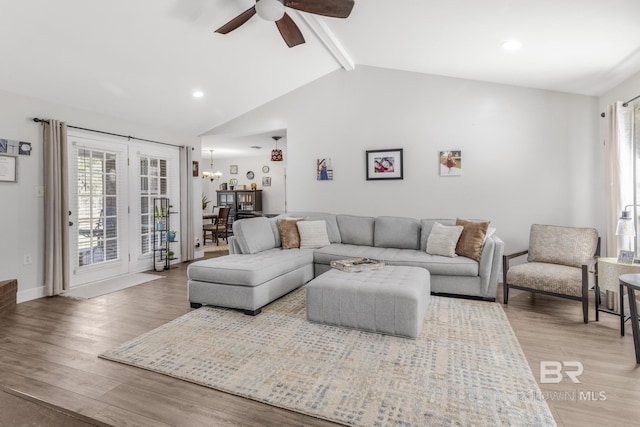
49 348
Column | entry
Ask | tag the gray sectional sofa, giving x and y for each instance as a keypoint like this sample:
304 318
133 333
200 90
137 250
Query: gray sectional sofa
258 271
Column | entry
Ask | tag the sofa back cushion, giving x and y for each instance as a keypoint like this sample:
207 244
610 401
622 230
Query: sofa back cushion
425 229
396 232
356 230
332 225
572 246
254 235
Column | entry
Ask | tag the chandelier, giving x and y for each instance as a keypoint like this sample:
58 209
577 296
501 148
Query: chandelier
209 174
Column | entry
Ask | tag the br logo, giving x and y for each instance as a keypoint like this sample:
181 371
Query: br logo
551 371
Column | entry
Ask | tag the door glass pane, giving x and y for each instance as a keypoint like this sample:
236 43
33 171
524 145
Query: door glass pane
153 183
97 207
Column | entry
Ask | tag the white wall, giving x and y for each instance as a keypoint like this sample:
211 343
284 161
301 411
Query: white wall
273 197
21 215
530 156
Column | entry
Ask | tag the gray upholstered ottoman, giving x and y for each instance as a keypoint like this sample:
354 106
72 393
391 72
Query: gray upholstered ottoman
392 300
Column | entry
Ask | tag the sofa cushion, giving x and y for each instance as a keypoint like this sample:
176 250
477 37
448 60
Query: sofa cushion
554 244
443 239
356 230
472 238
249 270
313 234
396 232
254 235
560 279
436 264
289 232
425 229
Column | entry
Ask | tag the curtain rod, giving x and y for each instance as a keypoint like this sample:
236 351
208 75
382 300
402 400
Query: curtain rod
37 120
624 104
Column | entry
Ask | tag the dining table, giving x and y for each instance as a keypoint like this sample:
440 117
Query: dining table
210 215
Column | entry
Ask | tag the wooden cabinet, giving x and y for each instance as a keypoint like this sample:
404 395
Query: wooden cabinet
243 203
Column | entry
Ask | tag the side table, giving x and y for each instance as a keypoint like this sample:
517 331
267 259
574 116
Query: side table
632 283
609 272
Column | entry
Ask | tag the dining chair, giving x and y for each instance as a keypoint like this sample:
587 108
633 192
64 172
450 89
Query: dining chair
218 228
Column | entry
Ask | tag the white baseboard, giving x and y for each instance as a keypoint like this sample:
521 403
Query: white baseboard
31 294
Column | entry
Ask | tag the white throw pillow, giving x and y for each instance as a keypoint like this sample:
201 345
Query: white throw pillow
313 234
443 239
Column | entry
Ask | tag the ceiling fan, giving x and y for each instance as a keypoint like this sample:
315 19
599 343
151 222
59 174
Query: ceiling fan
274 10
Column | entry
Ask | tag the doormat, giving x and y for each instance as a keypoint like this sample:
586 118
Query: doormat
108 286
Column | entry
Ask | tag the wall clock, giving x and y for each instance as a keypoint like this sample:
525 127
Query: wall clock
250 175
265 169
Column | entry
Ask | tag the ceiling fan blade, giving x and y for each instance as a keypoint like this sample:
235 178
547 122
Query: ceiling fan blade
332 8
237 21
290 31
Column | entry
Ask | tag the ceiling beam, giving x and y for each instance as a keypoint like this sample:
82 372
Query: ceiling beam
326 36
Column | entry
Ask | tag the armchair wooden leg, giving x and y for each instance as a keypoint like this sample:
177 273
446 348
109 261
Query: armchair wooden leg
505 287
585 293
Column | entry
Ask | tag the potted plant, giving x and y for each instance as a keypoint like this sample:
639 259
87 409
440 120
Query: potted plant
159 261
170 254
171 235
161 214
205 201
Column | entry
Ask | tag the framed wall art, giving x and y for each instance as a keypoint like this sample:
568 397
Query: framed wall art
384 164
233 169
266 181
195 168
8 168
450 163
324 170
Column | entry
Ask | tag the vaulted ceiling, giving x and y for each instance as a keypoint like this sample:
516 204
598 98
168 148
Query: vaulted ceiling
142 60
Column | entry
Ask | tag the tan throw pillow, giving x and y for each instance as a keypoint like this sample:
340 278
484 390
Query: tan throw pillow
289 232
472 238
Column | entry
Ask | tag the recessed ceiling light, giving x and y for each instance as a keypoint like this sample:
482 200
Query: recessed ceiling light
198 94
511 45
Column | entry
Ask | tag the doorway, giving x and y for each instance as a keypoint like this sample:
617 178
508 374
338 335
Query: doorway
112 184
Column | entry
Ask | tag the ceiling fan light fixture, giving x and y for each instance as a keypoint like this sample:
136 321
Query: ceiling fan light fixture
270 10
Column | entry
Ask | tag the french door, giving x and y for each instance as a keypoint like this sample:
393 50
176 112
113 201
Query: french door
112 184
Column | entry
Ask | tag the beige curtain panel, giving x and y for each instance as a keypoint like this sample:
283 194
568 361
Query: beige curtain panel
56 208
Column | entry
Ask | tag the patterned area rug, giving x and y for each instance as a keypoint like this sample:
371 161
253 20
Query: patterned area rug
465 368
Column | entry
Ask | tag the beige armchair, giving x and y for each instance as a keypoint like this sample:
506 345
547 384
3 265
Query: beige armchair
561 261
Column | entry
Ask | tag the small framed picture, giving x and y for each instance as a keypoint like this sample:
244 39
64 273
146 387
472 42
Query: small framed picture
195 168
324 170
233 169
266 181
451 163
24 148
626 257
384 164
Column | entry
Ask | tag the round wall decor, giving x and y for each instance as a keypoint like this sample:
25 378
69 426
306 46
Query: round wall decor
265 169
250 175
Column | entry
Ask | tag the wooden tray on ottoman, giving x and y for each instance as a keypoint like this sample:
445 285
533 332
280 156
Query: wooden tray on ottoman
357 264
